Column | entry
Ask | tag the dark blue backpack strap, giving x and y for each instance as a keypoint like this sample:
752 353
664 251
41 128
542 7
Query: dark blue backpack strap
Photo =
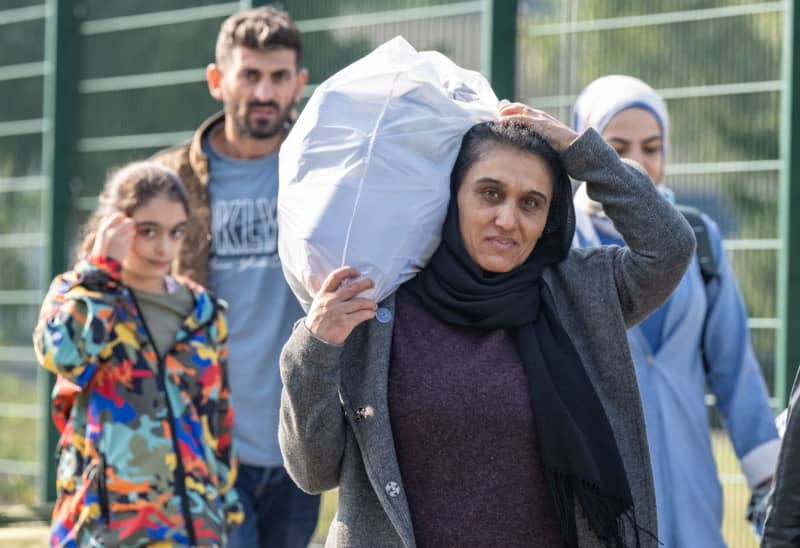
705 253
709 268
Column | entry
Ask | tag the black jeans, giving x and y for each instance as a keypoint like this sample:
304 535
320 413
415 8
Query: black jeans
277 514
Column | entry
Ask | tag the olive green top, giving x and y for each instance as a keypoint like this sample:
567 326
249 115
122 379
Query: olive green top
164 313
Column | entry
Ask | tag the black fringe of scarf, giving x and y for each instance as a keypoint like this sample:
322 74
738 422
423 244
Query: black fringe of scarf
610 518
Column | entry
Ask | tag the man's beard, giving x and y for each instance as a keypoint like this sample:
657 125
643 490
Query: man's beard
262 129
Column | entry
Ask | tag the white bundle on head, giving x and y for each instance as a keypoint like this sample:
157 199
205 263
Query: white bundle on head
365 171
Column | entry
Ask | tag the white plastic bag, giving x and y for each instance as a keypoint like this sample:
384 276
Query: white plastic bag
365 171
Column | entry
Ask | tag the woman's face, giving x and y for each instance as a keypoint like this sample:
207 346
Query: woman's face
160 227
636 135
503 202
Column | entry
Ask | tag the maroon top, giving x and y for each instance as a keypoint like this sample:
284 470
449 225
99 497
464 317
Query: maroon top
464 433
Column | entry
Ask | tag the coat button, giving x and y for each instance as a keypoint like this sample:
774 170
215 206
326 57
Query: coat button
392 489
383 315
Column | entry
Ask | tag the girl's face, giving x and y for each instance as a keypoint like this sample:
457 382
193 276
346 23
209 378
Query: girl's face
636 135
160 228
503 202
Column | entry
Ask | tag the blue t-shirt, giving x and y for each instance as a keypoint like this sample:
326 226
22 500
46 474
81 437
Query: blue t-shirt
245 270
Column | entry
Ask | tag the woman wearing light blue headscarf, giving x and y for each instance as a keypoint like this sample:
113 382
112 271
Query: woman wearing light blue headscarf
668 346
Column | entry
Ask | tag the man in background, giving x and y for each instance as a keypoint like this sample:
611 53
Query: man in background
231 170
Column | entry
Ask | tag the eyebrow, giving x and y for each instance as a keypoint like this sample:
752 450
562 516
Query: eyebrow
501 183
627 142
158 225
278 72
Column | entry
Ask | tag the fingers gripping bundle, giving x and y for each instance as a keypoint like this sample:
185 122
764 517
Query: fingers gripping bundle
365 172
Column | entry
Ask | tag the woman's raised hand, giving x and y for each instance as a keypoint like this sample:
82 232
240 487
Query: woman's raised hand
557 135
336 309
114 236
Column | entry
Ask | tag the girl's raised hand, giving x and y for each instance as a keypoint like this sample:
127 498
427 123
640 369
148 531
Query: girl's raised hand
336 309
114 237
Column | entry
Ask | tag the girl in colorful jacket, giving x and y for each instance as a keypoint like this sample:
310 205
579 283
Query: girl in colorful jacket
141 397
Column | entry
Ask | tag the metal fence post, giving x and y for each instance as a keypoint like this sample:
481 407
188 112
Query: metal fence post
57 149
499 46
788 354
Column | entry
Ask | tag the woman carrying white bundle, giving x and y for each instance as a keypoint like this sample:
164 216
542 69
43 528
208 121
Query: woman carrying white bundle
489 402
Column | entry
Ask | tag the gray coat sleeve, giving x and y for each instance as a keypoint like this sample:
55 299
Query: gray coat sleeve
660 242
312 423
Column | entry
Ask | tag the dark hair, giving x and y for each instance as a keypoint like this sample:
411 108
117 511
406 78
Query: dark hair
517 134
264 29
127 189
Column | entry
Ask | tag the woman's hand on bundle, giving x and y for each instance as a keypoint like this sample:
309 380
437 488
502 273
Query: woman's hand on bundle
557 135
114 237
336 309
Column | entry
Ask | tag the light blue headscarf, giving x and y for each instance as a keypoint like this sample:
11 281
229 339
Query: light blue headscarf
600 101
608 95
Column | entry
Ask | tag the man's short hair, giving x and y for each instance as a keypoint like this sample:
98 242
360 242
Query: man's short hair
264 29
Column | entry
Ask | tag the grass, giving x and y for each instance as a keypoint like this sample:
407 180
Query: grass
18 440
327 510
735 528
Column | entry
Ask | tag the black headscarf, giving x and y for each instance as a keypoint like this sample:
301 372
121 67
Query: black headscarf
579 453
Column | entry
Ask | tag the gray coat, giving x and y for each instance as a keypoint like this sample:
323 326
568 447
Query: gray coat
335 429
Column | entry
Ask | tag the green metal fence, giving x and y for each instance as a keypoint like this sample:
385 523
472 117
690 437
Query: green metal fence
23 239
718 63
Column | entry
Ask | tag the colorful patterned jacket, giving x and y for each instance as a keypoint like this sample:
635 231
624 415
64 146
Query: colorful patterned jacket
146 448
